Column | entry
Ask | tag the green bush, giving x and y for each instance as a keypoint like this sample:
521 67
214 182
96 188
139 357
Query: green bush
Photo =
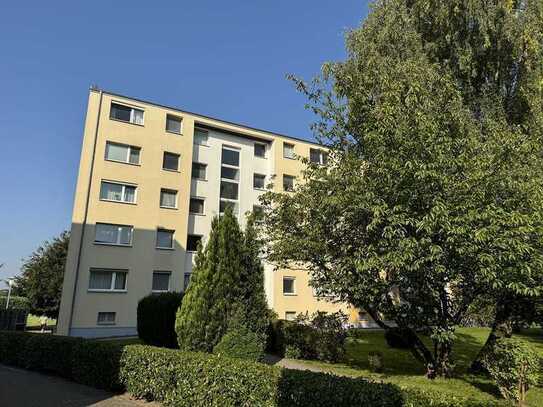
241 343
15 302
179 378
399 338
156 319
375 361
321 337
514 366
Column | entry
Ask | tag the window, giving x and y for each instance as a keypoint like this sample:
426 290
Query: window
196 206
288 150
259 181
192 242
170 161
230 173
126 114
290 315
260 150
164 239
161 281
168 198
186 280
106 318
288 285
200 137
199 171
288 182
173 124
230 157
113 191
229 191
122 153
106 233
107 280
317 156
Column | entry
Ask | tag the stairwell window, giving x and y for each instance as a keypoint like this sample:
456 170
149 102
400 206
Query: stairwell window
110 234
229 190
196 206
126 114
122 153
201 137
118 192
192 242
107 280
199 171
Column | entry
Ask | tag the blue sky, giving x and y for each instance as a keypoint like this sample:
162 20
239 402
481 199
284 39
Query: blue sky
226 59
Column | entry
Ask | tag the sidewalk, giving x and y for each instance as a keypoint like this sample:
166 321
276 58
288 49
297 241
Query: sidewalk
23 388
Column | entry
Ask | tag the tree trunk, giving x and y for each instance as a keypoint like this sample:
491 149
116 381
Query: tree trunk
501 328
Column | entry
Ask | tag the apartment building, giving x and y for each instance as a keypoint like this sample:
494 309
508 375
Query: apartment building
151 179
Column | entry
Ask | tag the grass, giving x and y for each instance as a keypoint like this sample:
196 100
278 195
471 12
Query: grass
401 368
34 320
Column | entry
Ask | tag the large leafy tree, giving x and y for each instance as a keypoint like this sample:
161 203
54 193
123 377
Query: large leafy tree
227 283
42 274
432 194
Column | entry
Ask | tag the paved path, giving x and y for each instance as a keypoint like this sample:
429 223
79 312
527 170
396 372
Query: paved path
22 388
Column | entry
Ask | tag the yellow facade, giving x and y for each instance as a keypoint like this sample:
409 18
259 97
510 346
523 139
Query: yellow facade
79 305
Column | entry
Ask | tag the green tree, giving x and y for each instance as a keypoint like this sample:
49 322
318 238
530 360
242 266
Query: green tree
42 274
433 190
227 280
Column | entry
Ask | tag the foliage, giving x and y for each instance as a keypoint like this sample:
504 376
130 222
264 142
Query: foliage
197 379
375 361
241 343
514 366
156 319
399 338
433 189
15 302
320 337
480 313
227 279
42 275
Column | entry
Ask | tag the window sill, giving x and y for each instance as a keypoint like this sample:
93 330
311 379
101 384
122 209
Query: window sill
165 248
167 169
119 202
197 214
290 294
122 162
159 291
259 189
199 179
290 158
106 323
192 251
200 144
169 207
174 132
90 290
112 244
125 122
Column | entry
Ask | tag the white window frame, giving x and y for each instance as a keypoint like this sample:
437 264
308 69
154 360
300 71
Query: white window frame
196 128
169 273
192 172
173 239
285 144
132 117
128 152
171 191
112 288
124 185
118 235
235 202
180 124
198 213
293 279
265 150
178 161
106 323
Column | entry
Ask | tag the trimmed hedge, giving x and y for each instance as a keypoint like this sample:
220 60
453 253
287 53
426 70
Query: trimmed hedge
241 343
156 319
179 378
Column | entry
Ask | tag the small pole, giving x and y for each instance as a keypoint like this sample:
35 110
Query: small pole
10 282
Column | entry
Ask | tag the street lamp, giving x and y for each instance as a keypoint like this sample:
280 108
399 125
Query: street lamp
10 282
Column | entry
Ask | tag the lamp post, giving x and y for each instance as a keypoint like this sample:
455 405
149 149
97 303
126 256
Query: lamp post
10 282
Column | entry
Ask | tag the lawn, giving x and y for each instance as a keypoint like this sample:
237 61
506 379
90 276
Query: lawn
403 369
34 320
